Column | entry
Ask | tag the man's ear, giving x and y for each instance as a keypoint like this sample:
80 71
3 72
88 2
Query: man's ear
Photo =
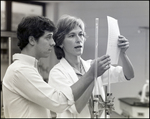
32 40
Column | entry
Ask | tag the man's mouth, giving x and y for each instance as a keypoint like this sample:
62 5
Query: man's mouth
49 50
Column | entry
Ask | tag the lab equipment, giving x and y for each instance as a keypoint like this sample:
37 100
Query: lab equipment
136 107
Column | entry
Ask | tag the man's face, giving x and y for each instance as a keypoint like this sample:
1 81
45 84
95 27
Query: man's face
45 45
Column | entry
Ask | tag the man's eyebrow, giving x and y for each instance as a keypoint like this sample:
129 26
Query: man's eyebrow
50 34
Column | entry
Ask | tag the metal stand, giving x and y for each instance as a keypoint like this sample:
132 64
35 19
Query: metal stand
100 105
109 106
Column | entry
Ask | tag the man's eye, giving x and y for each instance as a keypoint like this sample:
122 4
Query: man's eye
49 37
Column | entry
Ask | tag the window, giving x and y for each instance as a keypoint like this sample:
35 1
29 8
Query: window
20 10
3 15
13 11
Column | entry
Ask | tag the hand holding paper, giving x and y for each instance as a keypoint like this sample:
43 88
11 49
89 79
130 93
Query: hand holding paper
113 32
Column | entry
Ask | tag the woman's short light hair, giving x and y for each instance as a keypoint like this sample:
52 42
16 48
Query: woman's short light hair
65 24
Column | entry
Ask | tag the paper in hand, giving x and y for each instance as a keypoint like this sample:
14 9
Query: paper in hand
113 32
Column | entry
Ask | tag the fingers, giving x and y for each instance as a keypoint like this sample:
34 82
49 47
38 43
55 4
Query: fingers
103 57
123 43
104 62
121 36
122 39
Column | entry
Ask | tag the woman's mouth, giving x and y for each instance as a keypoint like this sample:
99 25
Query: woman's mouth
78 46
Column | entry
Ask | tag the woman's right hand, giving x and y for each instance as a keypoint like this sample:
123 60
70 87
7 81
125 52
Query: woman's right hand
103 64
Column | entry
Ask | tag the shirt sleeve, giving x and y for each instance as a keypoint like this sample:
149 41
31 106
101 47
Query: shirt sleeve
60 81
29 84
115 75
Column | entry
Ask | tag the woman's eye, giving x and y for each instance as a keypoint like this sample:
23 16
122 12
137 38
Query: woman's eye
81 34
71 36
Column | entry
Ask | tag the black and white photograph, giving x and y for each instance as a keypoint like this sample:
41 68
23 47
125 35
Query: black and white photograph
74 59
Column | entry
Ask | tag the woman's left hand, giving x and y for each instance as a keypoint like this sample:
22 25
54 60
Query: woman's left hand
123 43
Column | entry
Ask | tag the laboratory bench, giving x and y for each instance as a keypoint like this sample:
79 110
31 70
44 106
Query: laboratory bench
132 107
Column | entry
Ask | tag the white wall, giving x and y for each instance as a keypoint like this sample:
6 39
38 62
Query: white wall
131 15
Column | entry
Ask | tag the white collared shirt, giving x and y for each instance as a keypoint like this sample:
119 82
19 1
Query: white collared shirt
63 74
26 94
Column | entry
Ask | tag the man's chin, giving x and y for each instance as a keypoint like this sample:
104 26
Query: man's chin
46 56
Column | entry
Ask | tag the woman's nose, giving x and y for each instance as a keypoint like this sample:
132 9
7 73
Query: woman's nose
78 39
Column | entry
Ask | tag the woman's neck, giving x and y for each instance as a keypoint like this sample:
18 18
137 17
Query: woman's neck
74 61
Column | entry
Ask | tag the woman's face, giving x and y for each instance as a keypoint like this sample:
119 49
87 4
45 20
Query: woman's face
73 43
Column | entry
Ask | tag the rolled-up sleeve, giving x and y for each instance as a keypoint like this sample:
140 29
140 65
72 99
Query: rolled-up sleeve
59 80
73 109
115 74
31 86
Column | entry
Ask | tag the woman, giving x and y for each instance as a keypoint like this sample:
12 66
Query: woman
69 38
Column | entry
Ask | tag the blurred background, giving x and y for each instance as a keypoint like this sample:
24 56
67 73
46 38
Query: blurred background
133 20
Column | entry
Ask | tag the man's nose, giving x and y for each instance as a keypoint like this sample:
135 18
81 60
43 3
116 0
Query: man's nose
52 42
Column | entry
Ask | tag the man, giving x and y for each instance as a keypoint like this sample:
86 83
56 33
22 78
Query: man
25 93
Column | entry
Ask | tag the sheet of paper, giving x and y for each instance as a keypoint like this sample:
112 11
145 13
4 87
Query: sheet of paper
113 32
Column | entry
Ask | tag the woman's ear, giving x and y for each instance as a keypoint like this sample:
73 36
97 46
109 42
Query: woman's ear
61 46
32 40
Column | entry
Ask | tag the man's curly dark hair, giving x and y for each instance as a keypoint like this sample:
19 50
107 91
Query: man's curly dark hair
33 26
